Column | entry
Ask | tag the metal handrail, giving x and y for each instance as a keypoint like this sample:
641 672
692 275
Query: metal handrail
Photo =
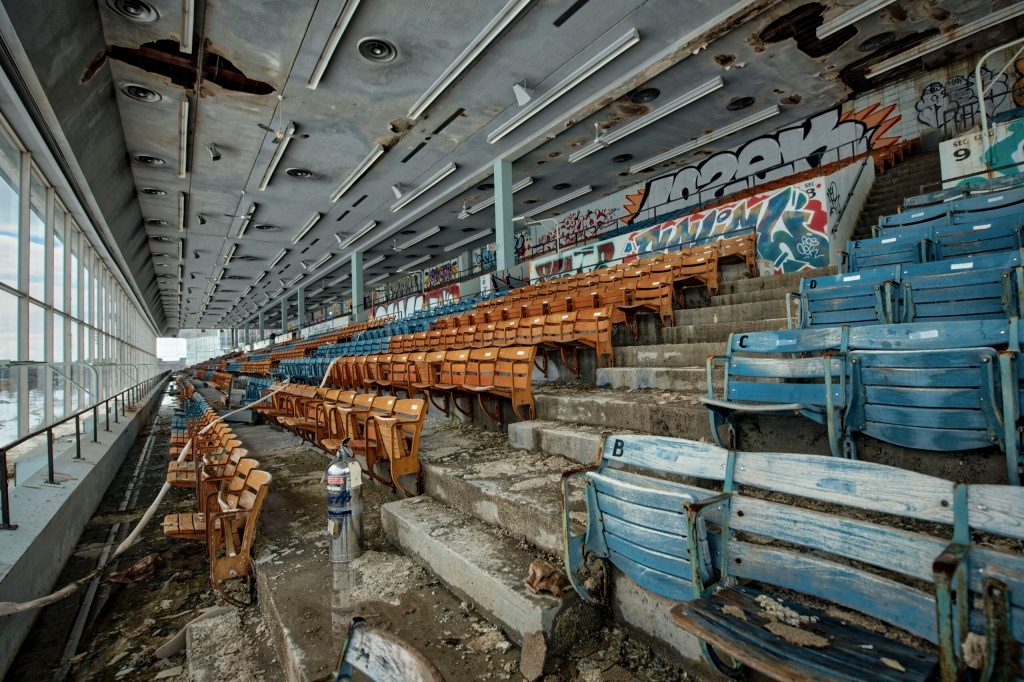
133 394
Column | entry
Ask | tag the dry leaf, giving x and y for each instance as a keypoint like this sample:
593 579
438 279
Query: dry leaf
895 665
796 636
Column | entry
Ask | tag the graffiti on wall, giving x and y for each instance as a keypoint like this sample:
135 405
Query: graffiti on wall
486 258
791 225
441 274
952 106
407 306
582 225
817 141
404 286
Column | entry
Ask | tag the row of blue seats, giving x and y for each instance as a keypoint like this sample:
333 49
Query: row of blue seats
988 286
360 347
306 370
981 207
975 187
925 243
254 389
943 386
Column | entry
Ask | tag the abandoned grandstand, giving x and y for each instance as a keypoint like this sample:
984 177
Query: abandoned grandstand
511 339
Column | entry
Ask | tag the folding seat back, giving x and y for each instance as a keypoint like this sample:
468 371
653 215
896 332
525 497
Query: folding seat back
465 336
435 339
584 299
654 295
982 287
399 438
485 334
849 299
886 251
453 369
593 329
936 214
480 367
505 332
558 328
450 339
974 239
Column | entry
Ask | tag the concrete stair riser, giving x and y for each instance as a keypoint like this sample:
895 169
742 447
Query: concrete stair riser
666 355
720 331
744 311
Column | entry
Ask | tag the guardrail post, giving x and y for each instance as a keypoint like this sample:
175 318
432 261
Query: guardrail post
95 423
49 457
5 500
78 437
106 410
116 415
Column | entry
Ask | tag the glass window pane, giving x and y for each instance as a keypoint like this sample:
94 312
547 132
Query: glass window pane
8 326
36 331
73 239
37 239
10 162
87 286
58 259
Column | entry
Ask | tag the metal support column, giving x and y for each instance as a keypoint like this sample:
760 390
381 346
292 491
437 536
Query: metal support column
284 313
301 314
504 237
259 321
358 314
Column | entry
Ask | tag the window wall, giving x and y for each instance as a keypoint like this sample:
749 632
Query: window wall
69 333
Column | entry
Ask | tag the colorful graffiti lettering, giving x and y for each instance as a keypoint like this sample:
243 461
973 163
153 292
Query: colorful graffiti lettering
407 306
791 225
819 140
485 259
952 107
405 286
581 226
441 274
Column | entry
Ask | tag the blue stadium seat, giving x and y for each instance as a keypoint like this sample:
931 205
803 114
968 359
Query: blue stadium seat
964 288
866 297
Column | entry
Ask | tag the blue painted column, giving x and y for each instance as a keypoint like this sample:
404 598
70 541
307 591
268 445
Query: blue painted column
358 314
503 233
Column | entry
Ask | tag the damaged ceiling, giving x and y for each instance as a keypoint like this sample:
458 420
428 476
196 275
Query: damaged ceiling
179 112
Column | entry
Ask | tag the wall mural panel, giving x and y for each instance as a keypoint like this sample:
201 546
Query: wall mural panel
791 224
441 274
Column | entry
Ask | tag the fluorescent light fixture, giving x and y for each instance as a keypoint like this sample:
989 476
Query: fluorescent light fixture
282 145
476 208
944 39
340 25
584 71
724 131
370 264
363 231
851 16
437 177
258 279
377 279
246 219
182 136
293 281
231 253
314 219
468 240
412 264
418 238
476 47
332 299
644 121
315 292
339 280
556 202
357 173
181 249
181 211
277 259
181 275
217 277
326 257
188 19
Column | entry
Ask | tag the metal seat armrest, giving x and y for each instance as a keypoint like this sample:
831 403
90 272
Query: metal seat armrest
949 570
695 511
710 363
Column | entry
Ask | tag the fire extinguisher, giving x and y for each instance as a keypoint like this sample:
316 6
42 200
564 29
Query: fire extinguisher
344 507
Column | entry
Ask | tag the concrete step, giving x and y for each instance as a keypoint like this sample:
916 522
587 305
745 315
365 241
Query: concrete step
696 333
774 294
666 355
488 569
513 490
743 311
576 442
788 281
660 413
663 378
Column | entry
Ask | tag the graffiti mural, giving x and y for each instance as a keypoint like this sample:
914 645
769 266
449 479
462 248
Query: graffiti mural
791 225
404 286
579 226
817 141
487 258
441 274
952 107
407 306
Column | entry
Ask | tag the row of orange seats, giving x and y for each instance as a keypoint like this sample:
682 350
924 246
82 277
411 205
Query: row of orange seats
566 332
383 430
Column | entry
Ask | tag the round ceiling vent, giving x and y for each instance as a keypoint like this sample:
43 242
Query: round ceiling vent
377 50
562 185
156 237
622 158
644 95
484 186
877 41
136 11
157 222
149 159
299 172
247 258
408 232
531 201
140 93
469 229
265 228
153 192
737 103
